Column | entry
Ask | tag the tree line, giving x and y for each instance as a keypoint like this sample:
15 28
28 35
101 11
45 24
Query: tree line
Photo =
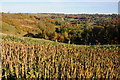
67 28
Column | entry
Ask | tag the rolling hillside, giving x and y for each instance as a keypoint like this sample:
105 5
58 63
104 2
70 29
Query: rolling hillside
67 28
59 46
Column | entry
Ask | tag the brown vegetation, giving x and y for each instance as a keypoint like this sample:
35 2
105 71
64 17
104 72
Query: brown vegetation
58 61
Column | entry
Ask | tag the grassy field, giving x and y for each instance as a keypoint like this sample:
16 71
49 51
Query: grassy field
29 58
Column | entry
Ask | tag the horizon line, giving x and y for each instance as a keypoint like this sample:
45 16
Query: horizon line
54 13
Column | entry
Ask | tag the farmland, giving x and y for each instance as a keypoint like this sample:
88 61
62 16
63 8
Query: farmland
54 46
30 58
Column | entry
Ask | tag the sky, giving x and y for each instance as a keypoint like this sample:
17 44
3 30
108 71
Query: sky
60 6
59 0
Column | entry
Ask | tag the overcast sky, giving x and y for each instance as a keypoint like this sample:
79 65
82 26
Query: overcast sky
60 6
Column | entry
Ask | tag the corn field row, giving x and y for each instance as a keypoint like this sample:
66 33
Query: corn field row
49 61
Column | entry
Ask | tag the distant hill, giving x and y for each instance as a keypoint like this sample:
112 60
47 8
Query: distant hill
67 28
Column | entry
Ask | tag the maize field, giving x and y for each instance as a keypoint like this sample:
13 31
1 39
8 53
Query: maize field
41 61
